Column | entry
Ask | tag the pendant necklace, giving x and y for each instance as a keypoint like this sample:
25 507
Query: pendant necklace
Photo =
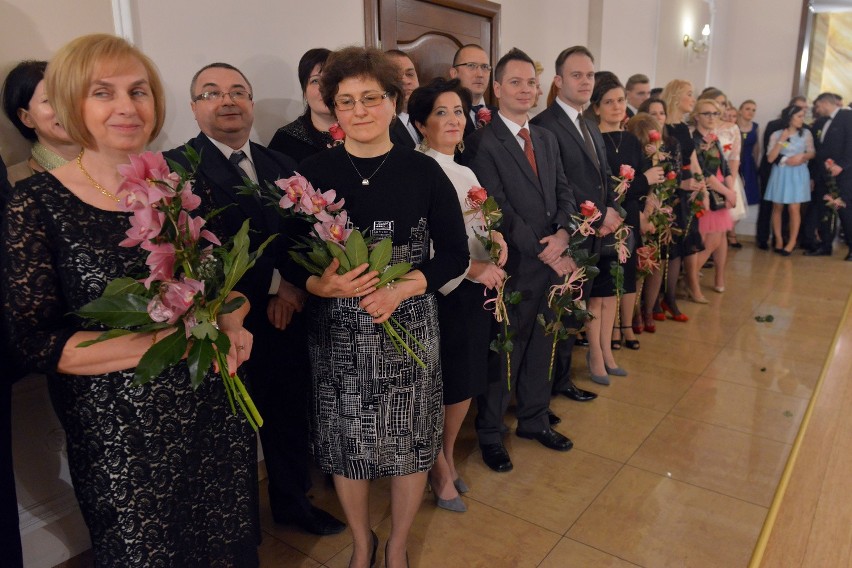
620 137
366 180
98 186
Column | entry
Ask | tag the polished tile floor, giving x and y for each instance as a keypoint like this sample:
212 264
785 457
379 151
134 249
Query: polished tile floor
674 465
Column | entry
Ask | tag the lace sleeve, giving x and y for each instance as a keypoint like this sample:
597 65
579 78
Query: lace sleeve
809 142
34 312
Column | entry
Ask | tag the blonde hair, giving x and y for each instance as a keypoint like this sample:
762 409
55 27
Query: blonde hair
699 104
69 75
671 94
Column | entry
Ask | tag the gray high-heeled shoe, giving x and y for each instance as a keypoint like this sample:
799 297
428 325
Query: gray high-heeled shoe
615 371
600 379
461 486
455 504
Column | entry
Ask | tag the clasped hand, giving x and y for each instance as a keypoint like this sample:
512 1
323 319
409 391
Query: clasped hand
357 283
612 220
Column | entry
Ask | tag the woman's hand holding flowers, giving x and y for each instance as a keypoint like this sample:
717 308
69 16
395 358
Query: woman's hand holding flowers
487 273
655 175
353 284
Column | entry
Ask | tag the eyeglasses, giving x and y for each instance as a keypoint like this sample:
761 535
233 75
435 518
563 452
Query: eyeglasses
710 114
237 95
486 67
368 100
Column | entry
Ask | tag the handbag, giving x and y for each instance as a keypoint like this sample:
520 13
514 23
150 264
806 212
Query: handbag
716 200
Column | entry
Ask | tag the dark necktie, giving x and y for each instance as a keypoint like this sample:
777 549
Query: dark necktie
236 158
587 137
476 108
524 134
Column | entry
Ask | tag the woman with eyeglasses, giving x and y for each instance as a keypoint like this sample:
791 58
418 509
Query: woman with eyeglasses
309 133
789 182
165 475
721 194
377 413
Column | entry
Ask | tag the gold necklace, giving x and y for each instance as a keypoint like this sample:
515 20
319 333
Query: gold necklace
98 186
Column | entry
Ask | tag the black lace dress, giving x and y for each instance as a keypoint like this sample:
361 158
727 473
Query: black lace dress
165 476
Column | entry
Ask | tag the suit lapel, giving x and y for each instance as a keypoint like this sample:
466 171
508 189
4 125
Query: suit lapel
222 175
505 136
267 170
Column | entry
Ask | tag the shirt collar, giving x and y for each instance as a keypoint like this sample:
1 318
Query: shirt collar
569 110
514 127
227 150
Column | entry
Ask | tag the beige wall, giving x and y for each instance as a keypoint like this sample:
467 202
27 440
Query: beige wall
34 29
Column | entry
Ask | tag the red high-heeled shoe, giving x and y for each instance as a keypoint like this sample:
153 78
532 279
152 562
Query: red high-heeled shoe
650 326
676 317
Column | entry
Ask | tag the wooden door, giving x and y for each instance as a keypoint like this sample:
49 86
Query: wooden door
430 31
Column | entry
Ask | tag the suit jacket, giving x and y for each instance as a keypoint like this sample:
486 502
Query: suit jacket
837 145
470 124
216 179
532 205
400 136
587 181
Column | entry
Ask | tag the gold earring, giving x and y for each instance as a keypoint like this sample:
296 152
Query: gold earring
424 145
460 146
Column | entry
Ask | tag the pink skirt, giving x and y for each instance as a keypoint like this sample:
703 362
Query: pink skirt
718 221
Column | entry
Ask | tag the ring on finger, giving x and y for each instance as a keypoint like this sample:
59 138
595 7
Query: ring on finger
357 289
378 313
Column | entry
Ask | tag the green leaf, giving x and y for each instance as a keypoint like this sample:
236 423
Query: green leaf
381 254
356 249
127 310
198 360
104 336
320 258
304 263
124 286
205 330
393 272
232 305
162 355
338 253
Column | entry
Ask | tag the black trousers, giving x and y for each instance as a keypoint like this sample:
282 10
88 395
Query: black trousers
10 536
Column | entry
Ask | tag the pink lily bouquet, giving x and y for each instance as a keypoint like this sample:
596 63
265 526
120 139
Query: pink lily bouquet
567 298
189 284
332 238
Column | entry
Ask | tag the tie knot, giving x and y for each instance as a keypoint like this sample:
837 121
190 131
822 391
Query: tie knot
525 135
476 108
237 157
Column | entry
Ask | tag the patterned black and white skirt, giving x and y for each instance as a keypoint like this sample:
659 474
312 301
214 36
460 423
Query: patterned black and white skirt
376 412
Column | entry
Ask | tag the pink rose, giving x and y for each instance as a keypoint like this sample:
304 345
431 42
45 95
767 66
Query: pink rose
336 132
654 136
588 208
626 171
477 195
483 116
671 175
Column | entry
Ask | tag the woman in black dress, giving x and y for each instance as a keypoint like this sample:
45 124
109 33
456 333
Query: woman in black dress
309 133
622 148
165 475
377 413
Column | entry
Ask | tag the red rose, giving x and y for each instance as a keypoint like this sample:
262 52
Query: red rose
710 138
336 132
477 195
671 175
588 208
654 136
626 172
483 115
699 214
829 163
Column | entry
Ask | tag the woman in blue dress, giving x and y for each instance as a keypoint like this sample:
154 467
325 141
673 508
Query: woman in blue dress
748 157
789 183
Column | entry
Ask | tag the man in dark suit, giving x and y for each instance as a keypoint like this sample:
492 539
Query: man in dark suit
519 165
833 141
638 90
472 67
583 159
223 108
402 130
764 212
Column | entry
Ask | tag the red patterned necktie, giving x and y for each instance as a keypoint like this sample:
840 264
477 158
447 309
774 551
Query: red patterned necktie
528 149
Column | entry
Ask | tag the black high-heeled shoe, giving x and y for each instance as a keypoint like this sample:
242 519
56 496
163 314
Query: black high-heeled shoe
407 564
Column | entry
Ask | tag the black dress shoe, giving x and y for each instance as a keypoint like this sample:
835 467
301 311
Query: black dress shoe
574 393
553 419
763 246
848 257
818 252
496 457
316 521
549 438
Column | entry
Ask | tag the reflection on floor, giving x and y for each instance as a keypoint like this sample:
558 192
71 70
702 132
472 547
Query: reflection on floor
674 465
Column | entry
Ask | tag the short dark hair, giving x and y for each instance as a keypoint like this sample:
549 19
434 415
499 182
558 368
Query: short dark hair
656 91
18 89
310 59
566 53
800 98
217 65
637 79
466 46
397 52
602 87
365 62
422 100
833 97
513 54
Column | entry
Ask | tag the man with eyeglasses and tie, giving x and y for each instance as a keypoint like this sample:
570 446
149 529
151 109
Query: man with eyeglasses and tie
221 100
472 67
519 166
583 159
402 130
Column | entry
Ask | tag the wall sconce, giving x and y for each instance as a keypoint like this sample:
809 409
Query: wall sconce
701 45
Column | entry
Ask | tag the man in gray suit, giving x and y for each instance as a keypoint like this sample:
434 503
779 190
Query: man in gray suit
519 165
583 159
